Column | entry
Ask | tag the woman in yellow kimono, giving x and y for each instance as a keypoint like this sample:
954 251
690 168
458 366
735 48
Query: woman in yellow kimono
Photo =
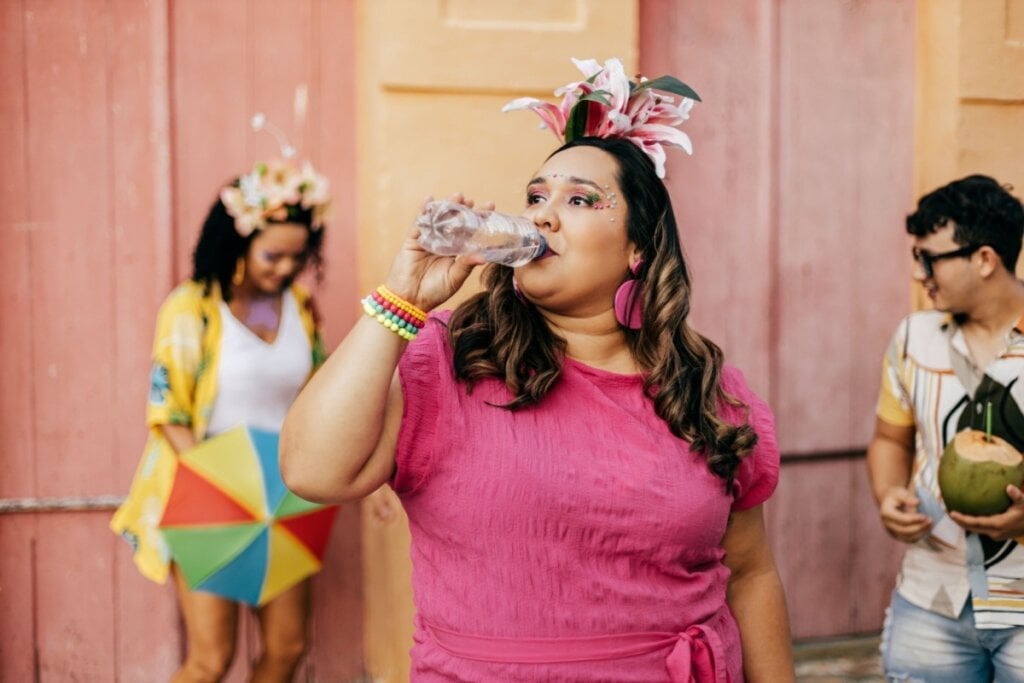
234 343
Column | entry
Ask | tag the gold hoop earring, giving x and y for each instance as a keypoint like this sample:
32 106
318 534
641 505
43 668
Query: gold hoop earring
239 277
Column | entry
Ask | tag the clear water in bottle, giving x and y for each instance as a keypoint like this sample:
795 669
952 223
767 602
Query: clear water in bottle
451 229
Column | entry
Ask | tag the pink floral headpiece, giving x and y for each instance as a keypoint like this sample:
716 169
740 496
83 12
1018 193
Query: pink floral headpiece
276 190
608 104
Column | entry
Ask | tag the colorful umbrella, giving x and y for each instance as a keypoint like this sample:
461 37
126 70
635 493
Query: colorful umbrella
232 526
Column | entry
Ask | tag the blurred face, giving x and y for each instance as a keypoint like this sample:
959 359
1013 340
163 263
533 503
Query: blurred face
276 255
954 279
576 203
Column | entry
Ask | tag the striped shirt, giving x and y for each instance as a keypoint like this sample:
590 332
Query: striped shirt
930 382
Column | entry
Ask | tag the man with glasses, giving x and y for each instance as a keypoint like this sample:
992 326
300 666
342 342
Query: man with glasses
957 613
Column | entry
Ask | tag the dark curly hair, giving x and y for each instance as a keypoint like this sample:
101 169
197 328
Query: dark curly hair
494 334
983 212
219 247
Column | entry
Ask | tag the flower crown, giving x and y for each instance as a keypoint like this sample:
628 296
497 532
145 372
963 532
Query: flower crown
607 104
276 190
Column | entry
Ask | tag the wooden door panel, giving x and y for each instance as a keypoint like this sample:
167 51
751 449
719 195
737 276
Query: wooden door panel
791 213
69 199
844 186
724 195
434 76
73 592
18 232
18 625
522 47
992 68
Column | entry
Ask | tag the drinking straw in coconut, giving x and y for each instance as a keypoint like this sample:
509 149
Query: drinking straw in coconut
988 421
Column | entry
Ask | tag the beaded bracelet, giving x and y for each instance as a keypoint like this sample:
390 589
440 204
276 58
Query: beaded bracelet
395 313
402 328
387 295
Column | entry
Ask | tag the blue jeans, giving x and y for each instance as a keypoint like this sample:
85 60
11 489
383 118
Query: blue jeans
919 646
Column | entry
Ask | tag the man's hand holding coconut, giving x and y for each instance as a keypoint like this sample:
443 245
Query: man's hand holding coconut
980 477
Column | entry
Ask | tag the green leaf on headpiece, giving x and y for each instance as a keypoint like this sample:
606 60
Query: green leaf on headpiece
576 124
602 96
670 84
594 77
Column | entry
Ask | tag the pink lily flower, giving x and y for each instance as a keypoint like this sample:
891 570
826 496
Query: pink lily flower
553 117
614 106
651 136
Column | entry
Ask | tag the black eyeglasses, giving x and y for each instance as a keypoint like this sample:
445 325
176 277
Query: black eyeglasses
927 259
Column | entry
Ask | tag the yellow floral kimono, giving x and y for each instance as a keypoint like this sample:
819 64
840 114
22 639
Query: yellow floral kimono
183 381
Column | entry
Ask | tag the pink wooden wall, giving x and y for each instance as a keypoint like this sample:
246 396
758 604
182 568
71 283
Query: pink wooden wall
792 214
120 121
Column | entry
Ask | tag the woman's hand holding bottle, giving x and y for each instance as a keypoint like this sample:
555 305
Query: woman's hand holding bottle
426 279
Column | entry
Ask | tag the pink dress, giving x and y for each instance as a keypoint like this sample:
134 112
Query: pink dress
578 540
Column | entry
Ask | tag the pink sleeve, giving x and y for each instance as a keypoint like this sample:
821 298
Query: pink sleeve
758 474
424 371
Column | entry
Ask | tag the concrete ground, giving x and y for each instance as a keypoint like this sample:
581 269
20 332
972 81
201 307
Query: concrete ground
847 660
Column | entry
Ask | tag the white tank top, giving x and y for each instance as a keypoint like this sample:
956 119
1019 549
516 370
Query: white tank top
257 381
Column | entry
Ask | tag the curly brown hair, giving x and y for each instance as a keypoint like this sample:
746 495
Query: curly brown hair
495 334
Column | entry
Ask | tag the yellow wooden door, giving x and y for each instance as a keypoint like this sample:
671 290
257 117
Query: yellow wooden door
433 77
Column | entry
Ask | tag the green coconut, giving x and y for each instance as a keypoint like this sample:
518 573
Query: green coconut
974 472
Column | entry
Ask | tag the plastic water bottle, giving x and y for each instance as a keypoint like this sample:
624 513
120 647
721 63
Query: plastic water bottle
451 229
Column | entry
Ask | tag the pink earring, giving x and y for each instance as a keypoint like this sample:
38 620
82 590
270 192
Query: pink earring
627 300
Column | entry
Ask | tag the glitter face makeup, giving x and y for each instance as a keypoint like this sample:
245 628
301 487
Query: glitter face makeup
593 198
609 202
